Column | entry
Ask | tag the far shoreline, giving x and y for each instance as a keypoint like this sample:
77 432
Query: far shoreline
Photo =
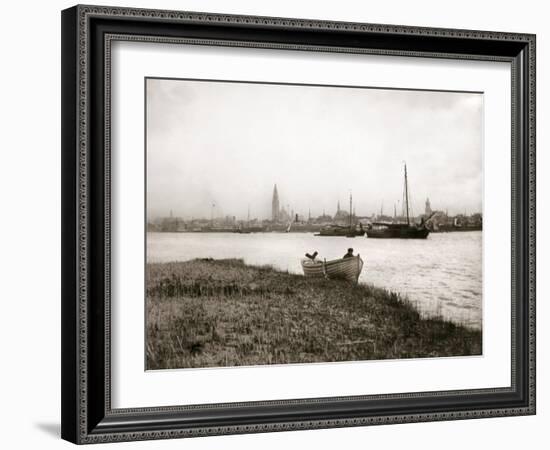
293 231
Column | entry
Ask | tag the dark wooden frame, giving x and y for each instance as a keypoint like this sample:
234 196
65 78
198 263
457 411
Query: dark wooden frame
87 32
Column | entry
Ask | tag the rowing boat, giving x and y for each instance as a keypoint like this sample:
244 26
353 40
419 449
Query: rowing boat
343 268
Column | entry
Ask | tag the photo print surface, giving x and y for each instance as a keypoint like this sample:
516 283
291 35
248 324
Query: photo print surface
295 224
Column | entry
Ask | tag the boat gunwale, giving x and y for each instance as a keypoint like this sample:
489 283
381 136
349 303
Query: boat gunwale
313 264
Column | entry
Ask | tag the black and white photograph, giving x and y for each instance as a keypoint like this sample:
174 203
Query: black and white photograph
296 223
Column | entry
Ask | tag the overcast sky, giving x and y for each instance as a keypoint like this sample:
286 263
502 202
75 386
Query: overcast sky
228 143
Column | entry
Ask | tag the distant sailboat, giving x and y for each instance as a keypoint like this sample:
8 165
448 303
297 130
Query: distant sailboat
399 230
342 230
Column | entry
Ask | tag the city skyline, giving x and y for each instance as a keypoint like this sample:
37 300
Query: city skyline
281 213
317 144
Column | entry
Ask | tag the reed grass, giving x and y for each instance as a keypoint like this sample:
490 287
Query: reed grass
211 313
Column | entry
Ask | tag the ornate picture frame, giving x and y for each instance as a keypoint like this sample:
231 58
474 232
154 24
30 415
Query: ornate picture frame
88 33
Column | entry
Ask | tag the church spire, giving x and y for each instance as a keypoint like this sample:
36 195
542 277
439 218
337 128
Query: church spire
275 208
428 209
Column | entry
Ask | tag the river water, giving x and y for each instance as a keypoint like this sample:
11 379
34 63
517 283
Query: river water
441 275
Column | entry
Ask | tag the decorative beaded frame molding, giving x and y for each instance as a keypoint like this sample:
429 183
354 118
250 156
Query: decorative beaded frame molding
87 416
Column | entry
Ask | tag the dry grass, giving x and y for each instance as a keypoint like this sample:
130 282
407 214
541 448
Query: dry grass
209 313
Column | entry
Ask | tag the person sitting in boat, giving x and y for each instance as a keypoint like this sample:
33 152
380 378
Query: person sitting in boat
349 254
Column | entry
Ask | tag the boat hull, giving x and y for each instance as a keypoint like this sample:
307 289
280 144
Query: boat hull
344 268
341 231
399 232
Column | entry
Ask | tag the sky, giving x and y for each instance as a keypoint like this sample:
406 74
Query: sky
227 144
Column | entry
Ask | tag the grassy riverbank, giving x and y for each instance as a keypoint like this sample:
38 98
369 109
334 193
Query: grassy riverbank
209 313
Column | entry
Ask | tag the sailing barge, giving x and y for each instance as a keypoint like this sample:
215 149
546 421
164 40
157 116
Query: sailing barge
397 231
339 230
408 230
350 230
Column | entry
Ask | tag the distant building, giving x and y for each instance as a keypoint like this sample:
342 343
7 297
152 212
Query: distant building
275 208
428 210
324 219
284 215
341 215
279 214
